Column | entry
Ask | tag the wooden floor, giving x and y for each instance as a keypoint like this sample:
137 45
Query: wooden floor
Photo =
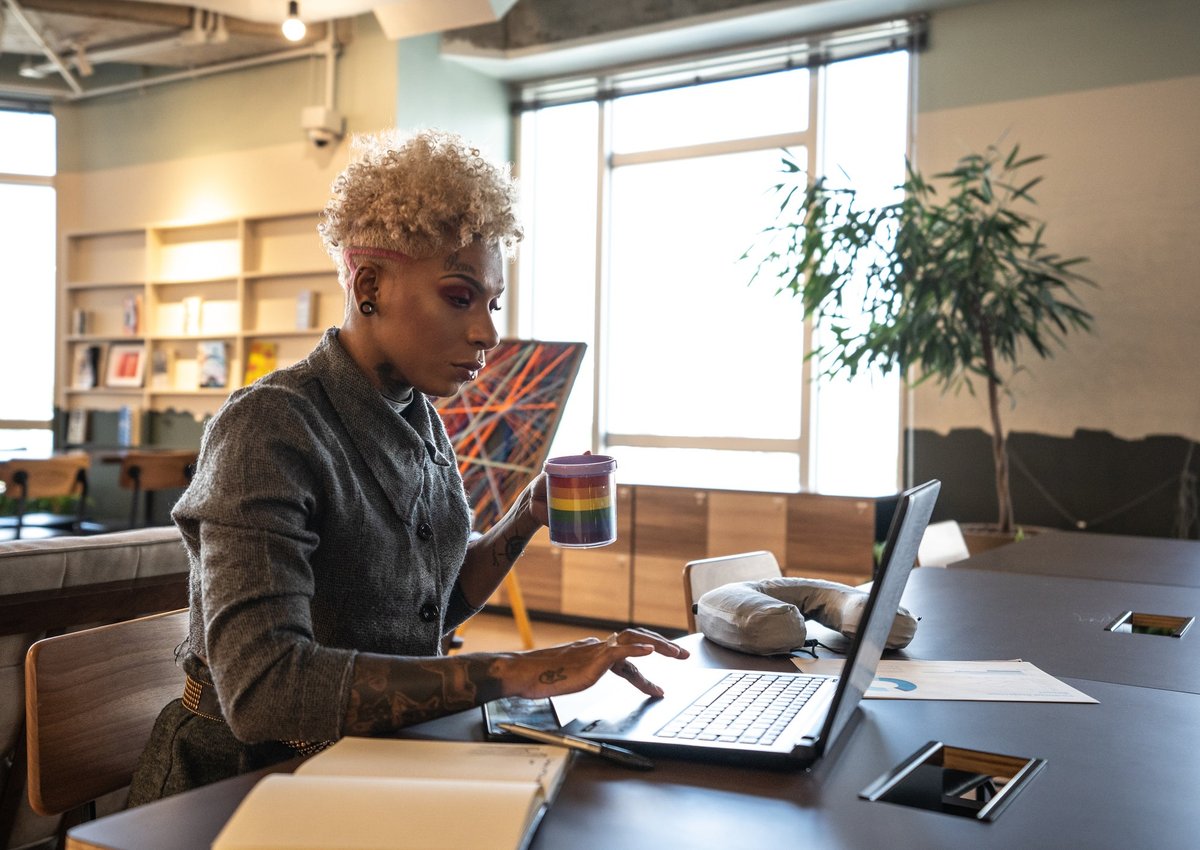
488 632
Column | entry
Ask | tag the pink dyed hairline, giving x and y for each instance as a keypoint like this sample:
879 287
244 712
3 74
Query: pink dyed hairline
349 253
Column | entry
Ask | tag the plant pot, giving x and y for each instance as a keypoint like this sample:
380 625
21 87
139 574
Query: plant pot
982 536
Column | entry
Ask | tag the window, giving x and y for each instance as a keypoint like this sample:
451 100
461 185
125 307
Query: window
27 274
641 196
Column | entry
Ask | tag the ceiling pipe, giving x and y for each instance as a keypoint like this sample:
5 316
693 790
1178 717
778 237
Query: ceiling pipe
326 48
44 46
207 28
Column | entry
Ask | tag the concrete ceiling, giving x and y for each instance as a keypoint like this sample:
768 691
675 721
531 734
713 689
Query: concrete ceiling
68 48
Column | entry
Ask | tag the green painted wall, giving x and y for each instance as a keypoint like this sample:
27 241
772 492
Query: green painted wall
1015 49
236 110
435 92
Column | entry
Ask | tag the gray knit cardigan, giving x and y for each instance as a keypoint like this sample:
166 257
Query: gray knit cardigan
319 523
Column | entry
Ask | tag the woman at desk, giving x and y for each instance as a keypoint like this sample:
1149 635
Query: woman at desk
327 524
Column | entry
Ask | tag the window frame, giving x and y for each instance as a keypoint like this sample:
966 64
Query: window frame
606 89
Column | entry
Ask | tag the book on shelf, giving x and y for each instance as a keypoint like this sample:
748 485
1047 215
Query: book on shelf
193 309
261 359
306 309
162 367
213 364
87 367
77 426
369 793
131 314
129 426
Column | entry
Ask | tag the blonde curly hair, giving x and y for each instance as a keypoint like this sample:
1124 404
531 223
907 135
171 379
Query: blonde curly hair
419 195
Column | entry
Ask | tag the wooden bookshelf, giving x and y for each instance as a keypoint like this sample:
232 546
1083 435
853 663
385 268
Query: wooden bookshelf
231 281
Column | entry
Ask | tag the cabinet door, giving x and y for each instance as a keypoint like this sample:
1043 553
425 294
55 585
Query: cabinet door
539 572
830 537
747 522
658 592
595 583
670 529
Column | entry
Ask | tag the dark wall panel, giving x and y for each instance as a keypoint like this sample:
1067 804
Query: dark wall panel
1091 480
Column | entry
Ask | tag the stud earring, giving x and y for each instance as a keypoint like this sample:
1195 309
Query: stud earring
367 308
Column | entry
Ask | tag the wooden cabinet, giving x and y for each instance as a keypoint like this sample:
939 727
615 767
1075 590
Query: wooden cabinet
587 583
830 537
180 294
670 528
639 579
747 522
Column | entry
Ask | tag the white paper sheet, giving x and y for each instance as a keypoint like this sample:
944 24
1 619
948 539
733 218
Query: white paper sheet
995 681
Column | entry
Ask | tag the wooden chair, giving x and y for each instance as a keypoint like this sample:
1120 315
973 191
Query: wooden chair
64 475
703 575
91 698
145 472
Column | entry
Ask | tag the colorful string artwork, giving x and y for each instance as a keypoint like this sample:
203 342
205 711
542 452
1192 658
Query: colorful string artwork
502 423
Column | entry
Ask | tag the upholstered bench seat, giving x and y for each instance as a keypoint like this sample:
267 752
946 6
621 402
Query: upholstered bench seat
61 584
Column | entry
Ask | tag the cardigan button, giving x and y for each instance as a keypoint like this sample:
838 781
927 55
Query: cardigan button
428 612
424 531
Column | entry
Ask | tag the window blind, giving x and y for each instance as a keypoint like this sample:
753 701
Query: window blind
804 51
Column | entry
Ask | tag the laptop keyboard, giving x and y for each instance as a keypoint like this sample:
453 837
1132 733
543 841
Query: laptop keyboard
744 708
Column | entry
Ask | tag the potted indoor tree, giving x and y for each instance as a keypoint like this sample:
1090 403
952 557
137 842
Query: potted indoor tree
944 290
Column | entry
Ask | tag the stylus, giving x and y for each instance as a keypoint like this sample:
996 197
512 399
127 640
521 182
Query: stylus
619 755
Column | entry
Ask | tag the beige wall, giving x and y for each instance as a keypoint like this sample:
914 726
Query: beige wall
1109 91
226 145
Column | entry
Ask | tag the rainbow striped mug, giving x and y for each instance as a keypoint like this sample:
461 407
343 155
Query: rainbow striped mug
583 500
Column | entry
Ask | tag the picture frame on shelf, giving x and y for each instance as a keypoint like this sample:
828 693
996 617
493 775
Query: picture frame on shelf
126 364
261 359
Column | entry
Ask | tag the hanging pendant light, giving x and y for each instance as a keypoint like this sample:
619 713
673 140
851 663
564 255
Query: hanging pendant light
293 27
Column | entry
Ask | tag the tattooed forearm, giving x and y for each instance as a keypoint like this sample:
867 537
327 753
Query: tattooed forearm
549 677
388 693
510 548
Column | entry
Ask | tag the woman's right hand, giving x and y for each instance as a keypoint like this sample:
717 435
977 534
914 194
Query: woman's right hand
572 667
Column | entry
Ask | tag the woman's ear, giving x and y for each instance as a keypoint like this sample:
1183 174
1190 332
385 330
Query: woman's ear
364 285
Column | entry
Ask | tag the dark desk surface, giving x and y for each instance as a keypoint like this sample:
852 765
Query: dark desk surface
1108 782
1148 560
1056 623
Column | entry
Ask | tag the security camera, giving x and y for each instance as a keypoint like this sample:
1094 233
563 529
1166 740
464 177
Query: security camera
322 125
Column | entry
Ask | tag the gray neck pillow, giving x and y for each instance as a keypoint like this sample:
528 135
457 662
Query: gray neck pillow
766 617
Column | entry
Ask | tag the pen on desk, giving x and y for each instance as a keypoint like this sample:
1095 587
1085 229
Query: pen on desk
619 755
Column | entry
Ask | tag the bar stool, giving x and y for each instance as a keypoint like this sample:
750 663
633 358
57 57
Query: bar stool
59 476
148 471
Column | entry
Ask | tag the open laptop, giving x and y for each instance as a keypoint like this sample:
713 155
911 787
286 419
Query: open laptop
817 710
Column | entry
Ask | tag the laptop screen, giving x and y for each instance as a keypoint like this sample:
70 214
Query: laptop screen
899 555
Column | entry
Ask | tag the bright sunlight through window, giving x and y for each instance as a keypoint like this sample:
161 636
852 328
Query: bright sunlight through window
693 377
27 240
